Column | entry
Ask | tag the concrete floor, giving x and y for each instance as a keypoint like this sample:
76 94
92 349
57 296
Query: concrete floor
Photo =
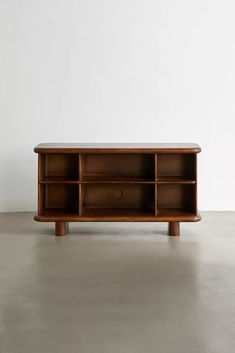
117 287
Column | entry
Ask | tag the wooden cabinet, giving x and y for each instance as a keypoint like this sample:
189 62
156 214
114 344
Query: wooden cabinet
117 182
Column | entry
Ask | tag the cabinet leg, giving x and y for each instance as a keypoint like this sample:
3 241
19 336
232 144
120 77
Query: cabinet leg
61 228
67 227
174 228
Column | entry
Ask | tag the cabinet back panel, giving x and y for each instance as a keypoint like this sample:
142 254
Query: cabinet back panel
176 196
181 165
61 165
61 196
118 196
138 165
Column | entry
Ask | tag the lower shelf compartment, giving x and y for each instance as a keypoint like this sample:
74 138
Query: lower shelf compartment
59 198
118 196
181 197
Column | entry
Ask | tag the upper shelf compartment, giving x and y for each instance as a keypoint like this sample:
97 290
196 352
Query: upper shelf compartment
118 166
60 167
178 166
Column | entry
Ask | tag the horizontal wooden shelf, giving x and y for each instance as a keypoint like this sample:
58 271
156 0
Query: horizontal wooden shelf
116 212
115 180
117 215
58 212
58 180
67 148
175 212
174 180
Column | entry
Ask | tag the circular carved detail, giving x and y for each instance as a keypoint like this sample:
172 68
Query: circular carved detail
117 194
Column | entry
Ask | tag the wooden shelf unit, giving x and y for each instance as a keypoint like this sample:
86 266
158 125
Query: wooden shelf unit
117 182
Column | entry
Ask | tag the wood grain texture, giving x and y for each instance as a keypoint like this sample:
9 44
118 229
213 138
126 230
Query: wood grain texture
98 179
117 183
118 215
61 228
117 147
174 229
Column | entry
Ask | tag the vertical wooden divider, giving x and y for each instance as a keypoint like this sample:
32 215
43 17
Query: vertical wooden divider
195 186
80 197
155 185
41 166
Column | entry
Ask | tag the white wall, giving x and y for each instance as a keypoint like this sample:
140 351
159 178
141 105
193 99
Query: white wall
117 71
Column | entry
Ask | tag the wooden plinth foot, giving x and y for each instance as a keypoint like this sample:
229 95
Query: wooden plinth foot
61 228
67 227
174 228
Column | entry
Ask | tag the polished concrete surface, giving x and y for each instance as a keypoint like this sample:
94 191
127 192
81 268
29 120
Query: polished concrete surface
117 287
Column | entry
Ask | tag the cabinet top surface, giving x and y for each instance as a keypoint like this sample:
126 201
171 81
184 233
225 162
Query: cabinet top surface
115 147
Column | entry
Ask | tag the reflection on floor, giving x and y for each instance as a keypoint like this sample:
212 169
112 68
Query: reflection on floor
117 287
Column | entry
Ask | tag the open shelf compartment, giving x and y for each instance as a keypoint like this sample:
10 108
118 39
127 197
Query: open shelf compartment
117 199
175 199
176 168
60 199
118 167
58 167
